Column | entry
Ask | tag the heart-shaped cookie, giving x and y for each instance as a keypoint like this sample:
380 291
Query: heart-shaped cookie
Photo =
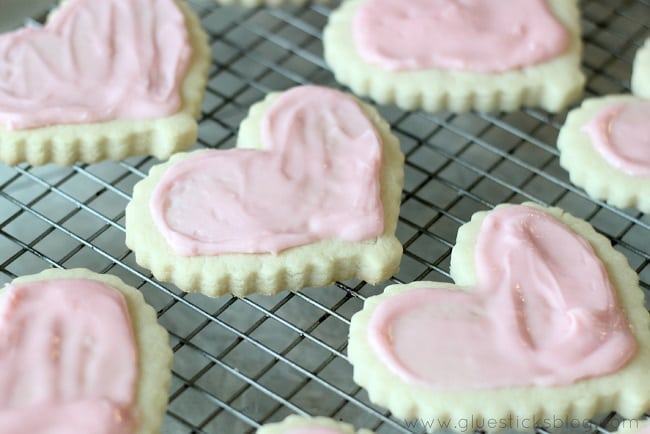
458 55
546 320
315 200
604 143
82 351
604 146
102 80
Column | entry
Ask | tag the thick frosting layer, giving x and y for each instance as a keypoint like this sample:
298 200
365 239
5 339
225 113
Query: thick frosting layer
621 134
68 355
95 61
466 35
542 313
317 177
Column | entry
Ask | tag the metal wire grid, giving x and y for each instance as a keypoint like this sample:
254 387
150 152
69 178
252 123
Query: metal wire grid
240 363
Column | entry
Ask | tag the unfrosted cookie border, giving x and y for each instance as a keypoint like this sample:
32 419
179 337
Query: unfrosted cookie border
315 264
586 166
295 421
117 139
154 354
641 71
625 391
551 85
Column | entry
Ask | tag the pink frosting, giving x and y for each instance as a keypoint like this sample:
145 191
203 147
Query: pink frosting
68 355
313 430
621 134
317 177
95 61
467 35
543 313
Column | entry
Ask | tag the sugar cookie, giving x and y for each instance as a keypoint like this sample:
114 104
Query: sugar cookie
603 145
314 199
84 352
112 79
545 320
432 54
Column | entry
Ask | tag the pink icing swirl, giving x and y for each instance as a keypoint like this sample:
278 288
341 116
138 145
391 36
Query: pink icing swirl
68 355
543 313
621 134
95 61
317 177
467 35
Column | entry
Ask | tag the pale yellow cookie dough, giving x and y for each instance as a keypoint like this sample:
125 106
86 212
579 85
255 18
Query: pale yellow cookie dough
589 170
641 72
295 422
551 85
154 354
625 391
316 264
115 140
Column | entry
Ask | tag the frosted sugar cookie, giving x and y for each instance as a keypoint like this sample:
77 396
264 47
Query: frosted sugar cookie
102 79
80 353
545 320
604 146
641 72
309 425
458 56
314 199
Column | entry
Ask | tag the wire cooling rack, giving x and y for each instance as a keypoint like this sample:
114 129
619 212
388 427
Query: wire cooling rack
240 363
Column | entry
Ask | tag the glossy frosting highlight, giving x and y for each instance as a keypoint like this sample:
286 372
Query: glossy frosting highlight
466 35
67 354
543 313
621 134
95 61
317 177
